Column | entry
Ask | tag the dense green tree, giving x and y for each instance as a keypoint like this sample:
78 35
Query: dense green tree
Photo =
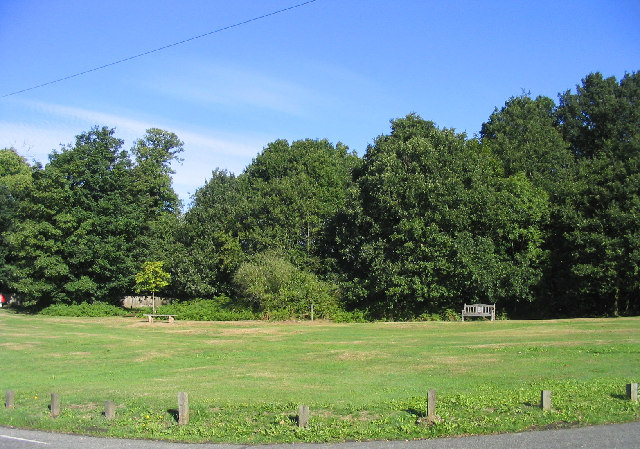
601 121
524 135
75 233
437 224
15 183
294 190
602 117
157 203
89 216
208 249
281 202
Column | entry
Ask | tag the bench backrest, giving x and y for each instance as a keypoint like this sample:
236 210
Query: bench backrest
479 308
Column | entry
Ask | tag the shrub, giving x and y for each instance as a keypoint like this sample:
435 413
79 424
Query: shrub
355 316
277 288
216 309
95 309
450 315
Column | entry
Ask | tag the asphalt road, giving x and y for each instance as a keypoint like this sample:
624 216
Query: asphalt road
614 436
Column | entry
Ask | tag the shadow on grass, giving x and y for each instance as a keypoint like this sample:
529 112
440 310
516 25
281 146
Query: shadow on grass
174 413
418 413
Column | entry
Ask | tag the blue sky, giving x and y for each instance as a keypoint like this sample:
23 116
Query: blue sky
335 69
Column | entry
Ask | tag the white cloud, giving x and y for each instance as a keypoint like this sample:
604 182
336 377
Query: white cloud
236 87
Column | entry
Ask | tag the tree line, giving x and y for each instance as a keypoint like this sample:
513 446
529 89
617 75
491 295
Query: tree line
539 213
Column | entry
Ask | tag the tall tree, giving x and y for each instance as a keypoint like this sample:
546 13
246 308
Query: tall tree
437 224
15 183
524 135
90 216
151 184
601 121
74 238
282 202
294 190
208 249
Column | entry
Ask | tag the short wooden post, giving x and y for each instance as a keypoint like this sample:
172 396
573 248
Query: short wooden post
55 405
303 416
183 408
311 311
9 399
632 392
546 400
109 409
431 405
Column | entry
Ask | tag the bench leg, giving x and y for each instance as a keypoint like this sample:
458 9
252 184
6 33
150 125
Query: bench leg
150 319
170 319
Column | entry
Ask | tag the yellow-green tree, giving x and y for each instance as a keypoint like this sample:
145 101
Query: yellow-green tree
152 278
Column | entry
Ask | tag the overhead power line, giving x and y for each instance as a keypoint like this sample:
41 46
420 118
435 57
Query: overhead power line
235 25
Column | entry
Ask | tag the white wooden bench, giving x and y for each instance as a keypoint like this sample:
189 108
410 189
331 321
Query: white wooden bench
488 310
150 317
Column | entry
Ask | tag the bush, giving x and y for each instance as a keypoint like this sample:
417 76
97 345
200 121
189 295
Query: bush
429 317
95 309
216 309
355 316
280 290
450 315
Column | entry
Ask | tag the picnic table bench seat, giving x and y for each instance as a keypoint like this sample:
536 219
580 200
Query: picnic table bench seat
151 316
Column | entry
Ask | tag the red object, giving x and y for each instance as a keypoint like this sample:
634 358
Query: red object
2 300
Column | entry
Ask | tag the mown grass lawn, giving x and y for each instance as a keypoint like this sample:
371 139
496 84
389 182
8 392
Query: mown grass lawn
361 381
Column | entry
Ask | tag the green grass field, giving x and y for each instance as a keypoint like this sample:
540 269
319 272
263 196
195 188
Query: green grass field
361 381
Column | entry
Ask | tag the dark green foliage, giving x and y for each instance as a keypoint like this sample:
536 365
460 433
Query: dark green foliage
438 224
85 222
601 121
158 205
208 249
282 202
524 136
540 214
74 233
294 190
15 184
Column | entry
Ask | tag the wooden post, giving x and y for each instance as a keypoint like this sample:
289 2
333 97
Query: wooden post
431 405
183 408
109 409
303 416
55 405
546 400
311 311
632 392
9 399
